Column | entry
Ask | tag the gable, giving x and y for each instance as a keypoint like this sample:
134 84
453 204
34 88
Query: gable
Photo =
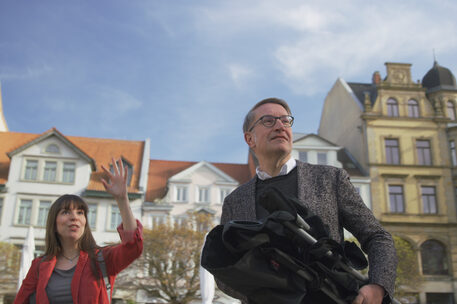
40 144
203 173
314 141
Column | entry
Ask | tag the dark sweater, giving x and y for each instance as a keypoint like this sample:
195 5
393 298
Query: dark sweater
287 184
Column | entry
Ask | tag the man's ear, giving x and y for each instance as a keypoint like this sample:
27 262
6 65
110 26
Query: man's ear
250 139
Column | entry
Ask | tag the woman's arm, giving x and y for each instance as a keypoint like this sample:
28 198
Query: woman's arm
117 187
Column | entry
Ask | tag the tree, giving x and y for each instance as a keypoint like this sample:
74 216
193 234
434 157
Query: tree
408 276
171 259
9 265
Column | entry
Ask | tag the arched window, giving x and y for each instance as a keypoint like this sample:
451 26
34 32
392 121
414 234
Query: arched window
450 110
392 107
413 108
434 258
53 148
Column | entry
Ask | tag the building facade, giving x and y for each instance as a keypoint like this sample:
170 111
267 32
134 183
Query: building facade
35 169
403 133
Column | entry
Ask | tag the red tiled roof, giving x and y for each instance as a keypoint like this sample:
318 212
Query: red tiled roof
10 141
161 170
101 150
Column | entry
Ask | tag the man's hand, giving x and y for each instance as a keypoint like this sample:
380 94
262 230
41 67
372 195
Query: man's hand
370 294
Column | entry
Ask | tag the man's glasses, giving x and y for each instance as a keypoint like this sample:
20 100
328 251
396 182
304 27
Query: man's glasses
270 120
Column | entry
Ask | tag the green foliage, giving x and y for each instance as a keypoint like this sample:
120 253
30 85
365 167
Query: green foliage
10 257
408 276
171 256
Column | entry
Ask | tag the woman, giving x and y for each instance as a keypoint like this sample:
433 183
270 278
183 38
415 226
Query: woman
69 271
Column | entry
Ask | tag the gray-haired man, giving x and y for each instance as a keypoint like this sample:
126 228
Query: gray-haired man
325 190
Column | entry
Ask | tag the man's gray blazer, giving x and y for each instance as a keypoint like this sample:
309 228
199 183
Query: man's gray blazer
328 193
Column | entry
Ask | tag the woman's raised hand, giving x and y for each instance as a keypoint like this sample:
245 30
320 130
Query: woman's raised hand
117 181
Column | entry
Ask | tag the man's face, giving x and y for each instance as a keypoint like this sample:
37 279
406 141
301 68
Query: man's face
270 142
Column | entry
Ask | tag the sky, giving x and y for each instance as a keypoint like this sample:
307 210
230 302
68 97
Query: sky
184 73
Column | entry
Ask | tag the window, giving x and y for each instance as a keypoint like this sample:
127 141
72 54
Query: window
50 168
396 199
392 151
115 217
424 155
392 107
68 175
434 258
413 108
450 110
177 220
157 220
92 215
53 148
223 193
453 153
303 156
1 208
439 298
31 169
429 199
181 194
322 158
129 170
25 211
203 194
43 213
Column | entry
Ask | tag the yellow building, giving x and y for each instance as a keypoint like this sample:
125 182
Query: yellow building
404 133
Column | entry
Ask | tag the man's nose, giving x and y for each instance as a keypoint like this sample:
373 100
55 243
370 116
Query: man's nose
279 124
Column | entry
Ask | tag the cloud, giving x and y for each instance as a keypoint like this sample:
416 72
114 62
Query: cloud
239 74
25 72
309 41
103 104
353 43
116 101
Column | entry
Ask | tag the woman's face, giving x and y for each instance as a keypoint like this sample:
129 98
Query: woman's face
70 224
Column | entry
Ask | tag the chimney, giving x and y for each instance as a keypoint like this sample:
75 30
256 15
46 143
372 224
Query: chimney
376 79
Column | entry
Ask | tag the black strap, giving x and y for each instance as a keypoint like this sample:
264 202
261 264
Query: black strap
101 263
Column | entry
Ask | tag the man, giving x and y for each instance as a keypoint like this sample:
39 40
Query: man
325 190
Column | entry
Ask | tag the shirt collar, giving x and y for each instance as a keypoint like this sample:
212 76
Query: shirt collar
285 169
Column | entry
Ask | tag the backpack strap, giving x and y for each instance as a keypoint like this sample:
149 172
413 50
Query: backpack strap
101 263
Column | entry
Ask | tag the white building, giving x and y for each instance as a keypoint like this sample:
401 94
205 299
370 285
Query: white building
35 169
177 187
314 149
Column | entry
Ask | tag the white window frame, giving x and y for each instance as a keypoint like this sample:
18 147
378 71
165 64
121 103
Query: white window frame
157 219
25 173
41 170
50 171
303 153
19 212
114 210
90 215
324 155
35 209
181 193
2 205
52 145
40 212
204 191
72 181
223 192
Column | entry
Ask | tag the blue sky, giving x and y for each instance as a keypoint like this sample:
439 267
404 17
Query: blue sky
184 73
